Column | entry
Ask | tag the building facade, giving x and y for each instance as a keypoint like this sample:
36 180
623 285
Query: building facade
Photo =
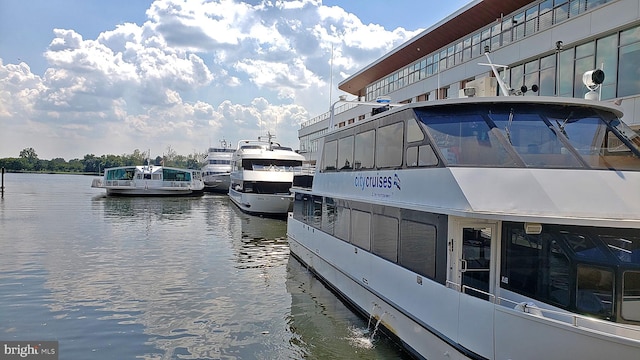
546 45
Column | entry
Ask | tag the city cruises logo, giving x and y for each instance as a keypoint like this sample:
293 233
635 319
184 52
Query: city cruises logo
42 350
377 182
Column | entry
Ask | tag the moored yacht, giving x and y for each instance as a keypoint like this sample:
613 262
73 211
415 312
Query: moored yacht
217 168
483 228
150 180
262 175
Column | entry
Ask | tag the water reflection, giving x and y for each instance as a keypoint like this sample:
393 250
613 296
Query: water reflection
157 278
325 328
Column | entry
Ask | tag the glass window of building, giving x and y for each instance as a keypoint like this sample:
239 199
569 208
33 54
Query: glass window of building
531 76
496 34
585 59
548 75
506 31
607 60
561 11
517 76
545 19
531 20
565 72
518 26
628 62
475 46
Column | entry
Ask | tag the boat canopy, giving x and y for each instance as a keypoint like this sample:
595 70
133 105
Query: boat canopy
531 135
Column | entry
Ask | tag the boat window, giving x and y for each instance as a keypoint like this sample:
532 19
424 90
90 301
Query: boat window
414 132
531 137
330 156
535 266
361 229
389 145
601 147
465 138
583 245
328 216
385 239
343 223
365 143
418 247
594 290
550 136
345 153
625 247
631 296
421 156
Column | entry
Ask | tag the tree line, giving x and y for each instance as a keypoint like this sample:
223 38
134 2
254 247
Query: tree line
28 161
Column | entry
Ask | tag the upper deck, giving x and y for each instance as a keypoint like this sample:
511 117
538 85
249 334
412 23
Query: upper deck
516 157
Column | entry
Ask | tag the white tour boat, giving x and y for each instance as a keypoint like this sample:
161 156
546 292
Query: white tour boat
150 180
262 176
483 228
217 168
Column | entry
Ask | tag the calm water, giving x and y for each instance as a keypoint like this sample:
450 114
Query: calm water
161 278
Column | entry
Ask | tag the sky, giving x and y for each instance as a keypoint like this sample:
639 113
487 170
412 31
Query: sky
81 77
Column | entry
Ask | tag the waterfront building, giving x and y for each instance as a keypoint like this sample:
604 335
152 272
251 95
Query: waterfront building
546 44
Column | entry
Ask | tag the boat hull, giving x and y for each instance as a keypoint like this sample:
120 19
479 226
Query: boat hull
267 204
434 321
217 183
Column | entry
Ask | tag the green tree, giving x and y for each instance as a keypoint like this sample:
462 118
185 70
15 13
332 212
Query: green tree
29 154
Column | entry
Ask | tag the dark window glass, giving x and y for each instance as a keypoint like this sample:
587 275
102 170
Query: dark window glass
536 266
328 216
631 296
361 229
385 240
418 247
594 290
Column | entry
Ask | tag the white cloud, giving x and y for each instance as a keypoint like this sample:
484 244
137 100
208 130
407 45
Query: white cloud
193 70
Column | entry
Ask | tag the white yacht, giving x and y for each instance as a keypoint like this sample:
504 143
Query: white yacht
482 228
150 180
262 176
217 168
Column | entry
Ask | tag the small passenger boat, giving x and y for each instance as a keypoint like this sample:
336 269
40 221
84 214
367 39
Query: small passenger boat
149 180
262 175
483 228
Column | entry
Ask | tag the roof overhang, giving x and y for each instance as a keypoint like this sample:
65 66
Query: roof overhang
463 22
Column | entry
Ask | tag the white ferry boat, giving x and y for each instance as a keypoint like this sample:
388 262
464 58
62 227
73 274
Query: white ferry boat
217 168
262 176
483 228
149 180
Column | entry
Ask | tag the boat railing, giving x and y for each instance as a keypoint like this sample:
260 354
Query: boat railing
119 183
576 320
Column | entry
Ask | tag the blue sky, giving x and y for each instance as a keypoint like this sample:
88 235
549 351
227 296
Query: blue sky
84 77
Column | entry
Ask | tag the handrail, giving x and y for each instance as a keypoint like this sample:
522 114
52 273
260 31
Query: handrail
574 319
